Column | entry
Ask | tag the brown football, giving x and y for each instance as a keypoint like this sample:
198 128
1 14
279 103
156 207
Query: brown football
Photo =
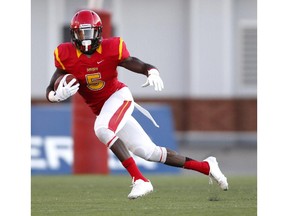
67 80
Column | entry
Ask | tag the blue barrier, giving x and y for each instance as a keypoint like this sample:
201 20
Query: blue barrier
52 144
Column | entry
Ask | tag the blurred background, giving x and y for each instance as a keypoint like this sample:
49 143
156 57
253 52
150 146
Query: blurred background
206 52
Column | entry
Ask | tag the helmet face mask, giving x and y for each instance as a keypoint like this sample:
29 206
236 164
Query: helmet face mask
86 30
86 33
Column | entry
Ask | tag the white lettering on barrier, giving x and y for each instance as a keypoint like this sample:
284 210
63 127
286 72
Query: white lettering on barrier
47 152
37 160
57 148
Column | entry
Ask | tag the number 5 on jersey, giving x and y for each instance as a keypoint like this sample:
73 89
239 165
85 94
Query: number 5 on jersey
94 81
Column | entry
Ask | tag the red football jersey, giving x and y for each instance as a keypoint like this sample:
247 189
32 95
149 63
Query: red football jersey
97 73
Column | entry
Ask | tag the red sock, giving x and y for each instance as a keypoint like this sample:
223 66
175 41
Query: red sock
200 166
133 170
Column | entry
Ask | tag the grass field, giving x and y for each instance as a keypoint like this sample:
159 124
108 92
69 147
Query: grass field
173 195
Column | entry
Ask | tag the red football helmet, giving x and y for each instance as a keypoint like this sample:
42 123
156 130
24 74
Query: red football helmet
86 30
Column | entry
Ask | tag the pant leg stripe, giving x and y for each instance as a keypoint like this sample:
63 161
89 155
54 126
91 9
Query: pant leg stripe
118 115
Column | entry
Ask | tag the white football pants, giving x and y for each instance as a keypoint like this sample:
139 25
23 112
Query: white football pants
116 121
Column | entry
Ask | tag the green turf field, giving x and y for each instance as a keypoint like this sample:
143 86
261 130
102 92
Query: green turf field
173 195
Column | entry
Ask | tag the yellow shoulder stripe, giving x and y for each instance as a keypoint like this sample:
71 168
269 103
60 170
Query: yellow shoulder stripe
99 49
58 59
78 53
120 48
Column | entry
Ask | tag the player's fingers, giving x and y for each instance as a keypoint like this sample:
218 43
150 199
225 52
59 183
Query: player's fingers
151 82
160 85
62 81
71 82
157 84
73 92
154 83
74 87
146 84
157 87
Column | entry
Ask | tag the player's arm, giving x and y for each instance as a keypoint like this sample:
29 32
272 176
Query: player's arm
62 92
136 65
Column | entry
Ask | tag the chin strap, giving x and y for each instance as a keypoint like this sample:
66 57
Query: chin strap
146 113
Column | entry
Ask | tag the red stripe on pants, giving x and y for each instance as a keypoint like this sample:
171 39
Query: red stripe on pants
118 115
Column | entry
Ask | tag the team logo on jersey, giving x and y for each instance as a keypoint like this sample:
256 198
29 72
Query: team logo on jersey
92 69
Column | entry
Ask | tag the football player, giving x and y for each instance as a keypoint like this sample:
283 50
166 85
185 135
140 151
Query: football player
93 61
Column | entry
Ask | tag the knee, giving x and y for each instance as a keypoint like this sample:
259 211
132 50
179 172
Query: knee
105 135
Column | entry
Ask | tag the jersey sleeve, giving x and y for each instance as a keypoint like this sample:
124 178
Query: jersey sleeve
123 51
59 57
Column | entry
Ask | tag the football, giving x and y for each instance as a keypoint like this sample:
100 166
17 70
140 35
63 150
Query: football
67 80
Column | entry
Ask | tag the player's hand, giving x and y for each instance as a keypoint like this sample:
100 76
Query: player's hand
64 90
154 79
